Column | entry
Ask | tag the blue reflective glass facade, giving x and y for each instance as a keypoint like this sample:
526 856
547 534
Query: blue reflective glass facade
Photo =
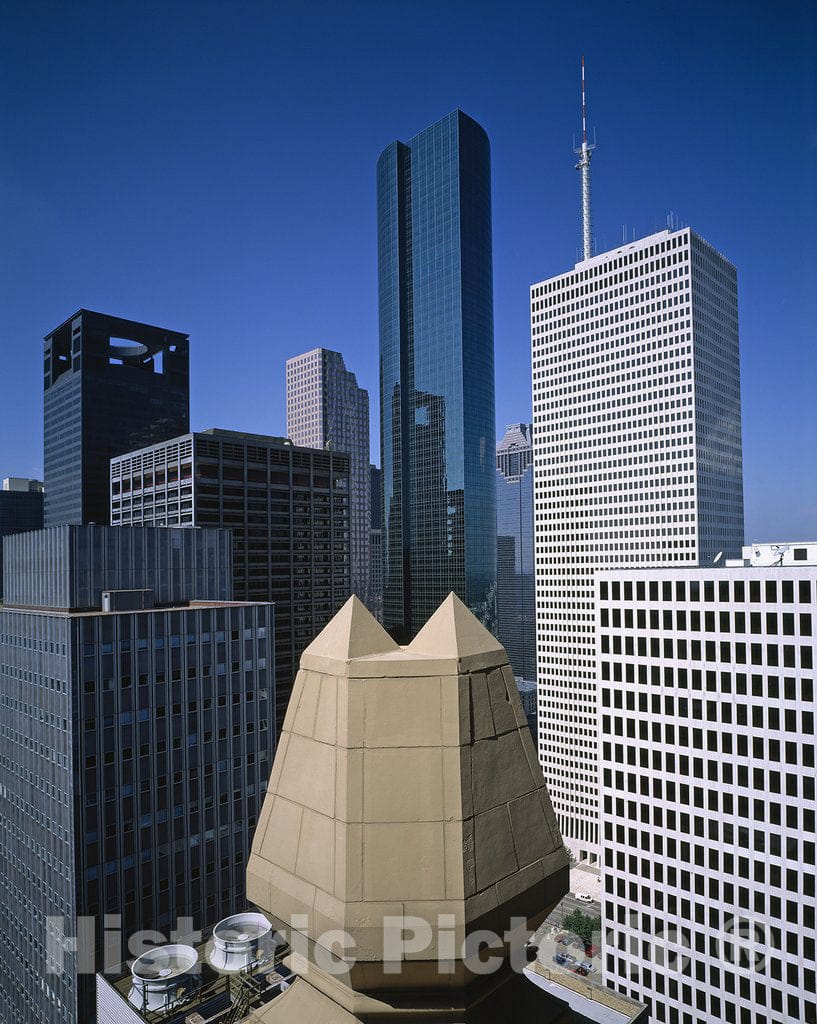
437 373
515 580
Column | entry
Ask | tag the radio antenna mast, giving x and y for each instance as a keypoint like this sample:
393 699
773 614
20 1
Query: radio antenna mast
583 166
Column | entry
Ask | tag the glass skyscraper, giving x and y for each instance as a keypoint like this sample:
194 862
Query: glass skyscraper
515 582
437 373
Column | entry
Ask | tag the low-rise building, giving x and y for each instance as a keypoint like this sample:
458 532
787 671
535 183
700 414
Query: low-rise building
708 786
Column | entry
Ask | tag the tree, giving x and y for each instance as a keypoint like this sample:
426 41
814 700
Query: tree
582 925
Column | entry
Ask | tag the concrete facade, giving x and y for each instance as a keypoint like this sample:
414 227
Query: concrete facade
637 461
708 796
406 784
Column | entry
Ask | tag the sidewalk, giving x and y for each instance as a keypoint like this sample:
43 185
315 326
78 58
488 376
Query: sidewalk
584 878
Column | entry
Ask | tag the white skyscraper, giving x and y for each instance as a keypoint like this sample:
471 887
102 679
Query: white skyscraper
637 462
709 787
327 409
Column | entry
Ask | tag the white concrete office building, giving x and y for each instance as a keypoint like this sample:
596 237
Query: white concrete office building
327 409
637 462
707 776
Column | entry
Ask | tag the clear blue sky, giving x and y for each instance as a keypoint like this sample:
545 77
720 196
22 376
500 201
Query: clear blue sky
210 167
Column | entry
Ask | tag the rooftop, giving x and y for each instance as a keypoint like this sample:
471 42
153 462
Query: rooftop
203 986
406 849
767 554
154 338
406 794
176 606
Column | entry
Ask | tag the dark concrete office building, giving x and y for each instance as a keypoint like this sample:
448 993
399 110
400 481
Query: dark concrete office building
21 509
136 743
287 507
438 435
111 385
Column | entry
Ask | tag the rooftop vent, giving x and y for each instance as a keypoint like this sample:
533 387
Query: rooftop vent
241 940
127 600
163 978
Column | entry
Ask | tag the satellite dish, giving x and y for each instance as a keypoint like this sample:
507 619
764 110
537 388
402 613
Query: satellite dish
717 558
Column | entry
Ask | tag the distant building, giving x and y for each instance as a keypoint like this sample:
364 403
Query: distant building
137 738
22 485
111 385
326 409
287 508
528 694
709 785
515 567
436 373
376 543
376 478
21 510
637 462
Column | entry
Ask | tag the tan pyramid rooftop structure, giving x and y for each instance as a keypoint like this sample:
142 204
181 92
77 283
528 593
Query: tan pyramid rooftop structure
405 786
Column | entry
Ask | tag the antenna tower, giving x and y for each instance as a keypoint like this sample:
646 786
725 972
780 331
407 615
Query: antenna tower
583 165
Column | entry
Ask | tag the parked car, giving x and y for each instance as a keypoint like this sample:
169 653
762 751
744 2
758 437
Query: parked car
560 959
569 958
582 972
592 950
584 897
587 967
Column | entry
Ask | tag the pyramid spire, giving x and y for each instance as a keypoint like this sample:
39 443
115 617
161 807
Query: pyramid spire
406 787
353 633
454 631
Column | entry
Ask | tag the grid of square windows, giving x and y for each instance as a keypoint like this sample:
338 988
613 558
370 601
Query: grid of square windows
708 803
637 461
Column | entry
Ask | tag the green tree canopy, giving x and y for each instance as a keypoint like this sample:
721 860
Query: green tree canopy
582 925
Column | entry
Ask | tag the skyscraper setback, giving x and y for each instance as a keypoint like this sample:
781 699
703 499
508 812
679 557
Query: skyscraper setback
111 385
637 462
327 409
436 373
137 704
